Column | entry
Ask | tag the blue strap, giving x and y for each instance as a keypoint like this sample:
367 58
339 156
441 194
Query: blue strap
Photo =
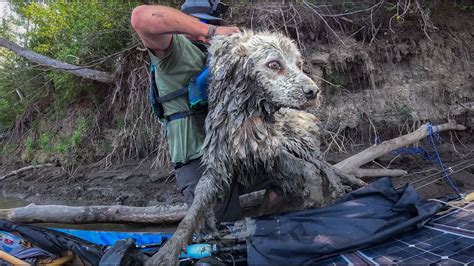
182 115
438 158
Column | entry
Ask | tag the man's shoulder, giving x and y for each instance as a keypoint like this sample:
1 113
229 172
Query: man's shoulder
180 49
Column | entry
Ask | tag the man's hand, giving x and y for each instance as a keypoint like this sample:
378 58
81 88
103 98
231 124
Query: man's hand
223 30
220 30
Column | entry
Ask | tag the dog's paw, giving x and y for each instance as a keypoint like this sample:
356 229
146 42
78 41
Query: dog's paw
169 253
353 182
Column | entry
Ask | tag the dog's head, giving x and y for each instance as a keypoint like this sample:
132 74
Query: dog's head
266 66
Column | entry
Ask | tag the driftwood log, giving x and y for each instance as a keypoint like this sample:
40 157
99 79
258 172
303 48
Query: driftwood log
32 213
163 214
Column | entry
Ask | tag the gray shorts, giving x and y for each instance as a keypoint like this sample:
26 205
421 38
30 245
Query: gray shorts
227 210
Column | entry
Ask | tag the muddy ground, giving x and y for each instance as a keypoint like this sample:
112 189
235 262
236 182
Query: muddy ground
138 185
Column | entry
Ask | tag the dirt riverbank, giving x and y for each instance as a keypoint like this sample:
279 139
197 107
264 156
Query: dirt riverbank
138 185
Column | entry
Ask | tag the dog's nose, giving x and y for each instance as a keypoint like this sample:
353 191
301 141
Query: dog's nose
310 91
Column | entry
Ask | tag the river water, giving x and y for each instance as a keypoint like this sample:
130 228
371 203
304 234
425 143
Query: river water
12 202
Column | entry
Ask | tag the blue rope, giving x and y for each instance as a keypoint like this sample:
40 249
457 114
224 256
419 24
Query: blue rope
421 151
435 158
438 158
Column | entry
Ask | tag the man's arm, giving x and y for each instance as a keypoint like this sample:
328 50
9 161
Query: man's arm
155 25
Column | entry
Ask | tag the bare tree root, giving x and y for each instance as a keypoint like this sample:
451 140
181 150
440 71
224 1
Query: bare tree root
140 134
352 164
26 168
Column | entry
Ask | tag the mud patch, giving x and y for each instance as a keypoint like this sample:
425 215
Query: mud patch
131 184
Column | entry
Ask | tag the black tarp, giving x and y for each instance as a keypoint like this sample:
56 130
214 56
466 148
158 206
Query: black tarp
362 218
123 252
54 241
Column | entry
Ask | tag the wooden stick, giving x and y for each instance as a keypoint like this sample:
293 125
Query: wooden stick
11 259
26 168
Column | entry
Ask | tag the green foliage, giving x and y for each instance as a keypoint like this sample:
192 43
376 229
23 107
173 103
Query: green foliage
78 32
58 144
338 81
464 6
404 111
79 132
120 122
7 150
105 147
44 142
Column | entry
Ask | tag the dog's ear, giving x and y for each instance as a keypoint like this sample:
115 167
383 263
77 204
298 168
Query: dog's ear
227 54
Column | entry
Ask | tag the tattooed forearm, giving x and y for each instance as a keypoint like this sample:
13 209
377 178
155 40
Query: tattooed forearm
158 14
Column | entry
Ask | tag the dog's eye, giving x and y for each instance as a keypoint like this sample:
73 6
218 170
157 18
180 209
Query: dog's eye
274 65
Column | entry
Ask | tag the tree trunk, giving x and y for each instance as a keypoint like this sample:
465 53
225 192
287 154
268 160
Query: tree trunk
79 71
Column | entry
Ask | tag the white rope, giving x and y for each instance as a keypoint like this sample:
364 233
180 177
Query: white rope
431 182
450 169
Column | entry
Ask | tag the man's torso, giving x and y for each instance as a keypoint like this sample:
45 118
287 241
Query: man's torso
182 61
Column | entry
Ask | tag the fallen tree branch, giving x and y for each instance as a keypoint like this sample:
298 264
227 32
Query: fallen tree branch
379 172
79 71
32 213
26 168
352 164
163 214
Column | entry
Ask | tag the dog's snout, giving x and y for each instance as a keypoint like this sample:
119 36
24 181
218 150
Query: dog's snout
310 91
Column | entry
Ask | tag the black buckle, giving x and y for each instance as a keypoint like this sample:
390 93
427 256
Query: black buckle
221 9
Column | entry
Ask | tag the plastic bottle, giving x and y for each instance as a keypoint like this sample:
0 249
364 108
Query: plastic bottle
199 251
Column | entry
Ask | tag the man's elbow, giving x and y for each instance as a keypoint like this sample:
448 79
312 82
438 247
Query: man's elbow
138 18
144 21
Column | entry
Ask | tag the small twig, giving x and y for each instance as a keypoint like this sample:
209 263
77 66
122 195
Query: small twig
391 161
426 20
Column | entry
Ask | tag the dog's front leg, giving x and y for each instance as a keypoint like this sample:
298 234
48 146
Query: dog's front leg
205 195
298 173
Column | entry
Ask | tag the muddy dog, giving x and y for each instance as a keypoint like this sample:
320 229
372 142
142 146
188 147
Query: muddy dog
256 128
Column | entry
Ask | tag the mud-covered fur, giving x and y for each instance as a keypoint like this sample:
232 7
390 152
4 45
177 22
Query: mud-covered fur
256 129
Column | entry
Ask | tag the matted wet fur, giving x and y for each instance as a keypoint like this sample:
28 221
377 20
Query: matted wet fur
255 129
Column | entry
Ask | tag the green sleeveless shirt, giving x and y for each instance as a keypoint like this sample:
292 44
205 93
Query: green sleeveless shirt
182 61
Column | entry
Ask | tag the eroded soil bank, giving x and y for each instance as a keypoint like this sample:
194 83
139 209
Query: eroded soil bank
138 185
